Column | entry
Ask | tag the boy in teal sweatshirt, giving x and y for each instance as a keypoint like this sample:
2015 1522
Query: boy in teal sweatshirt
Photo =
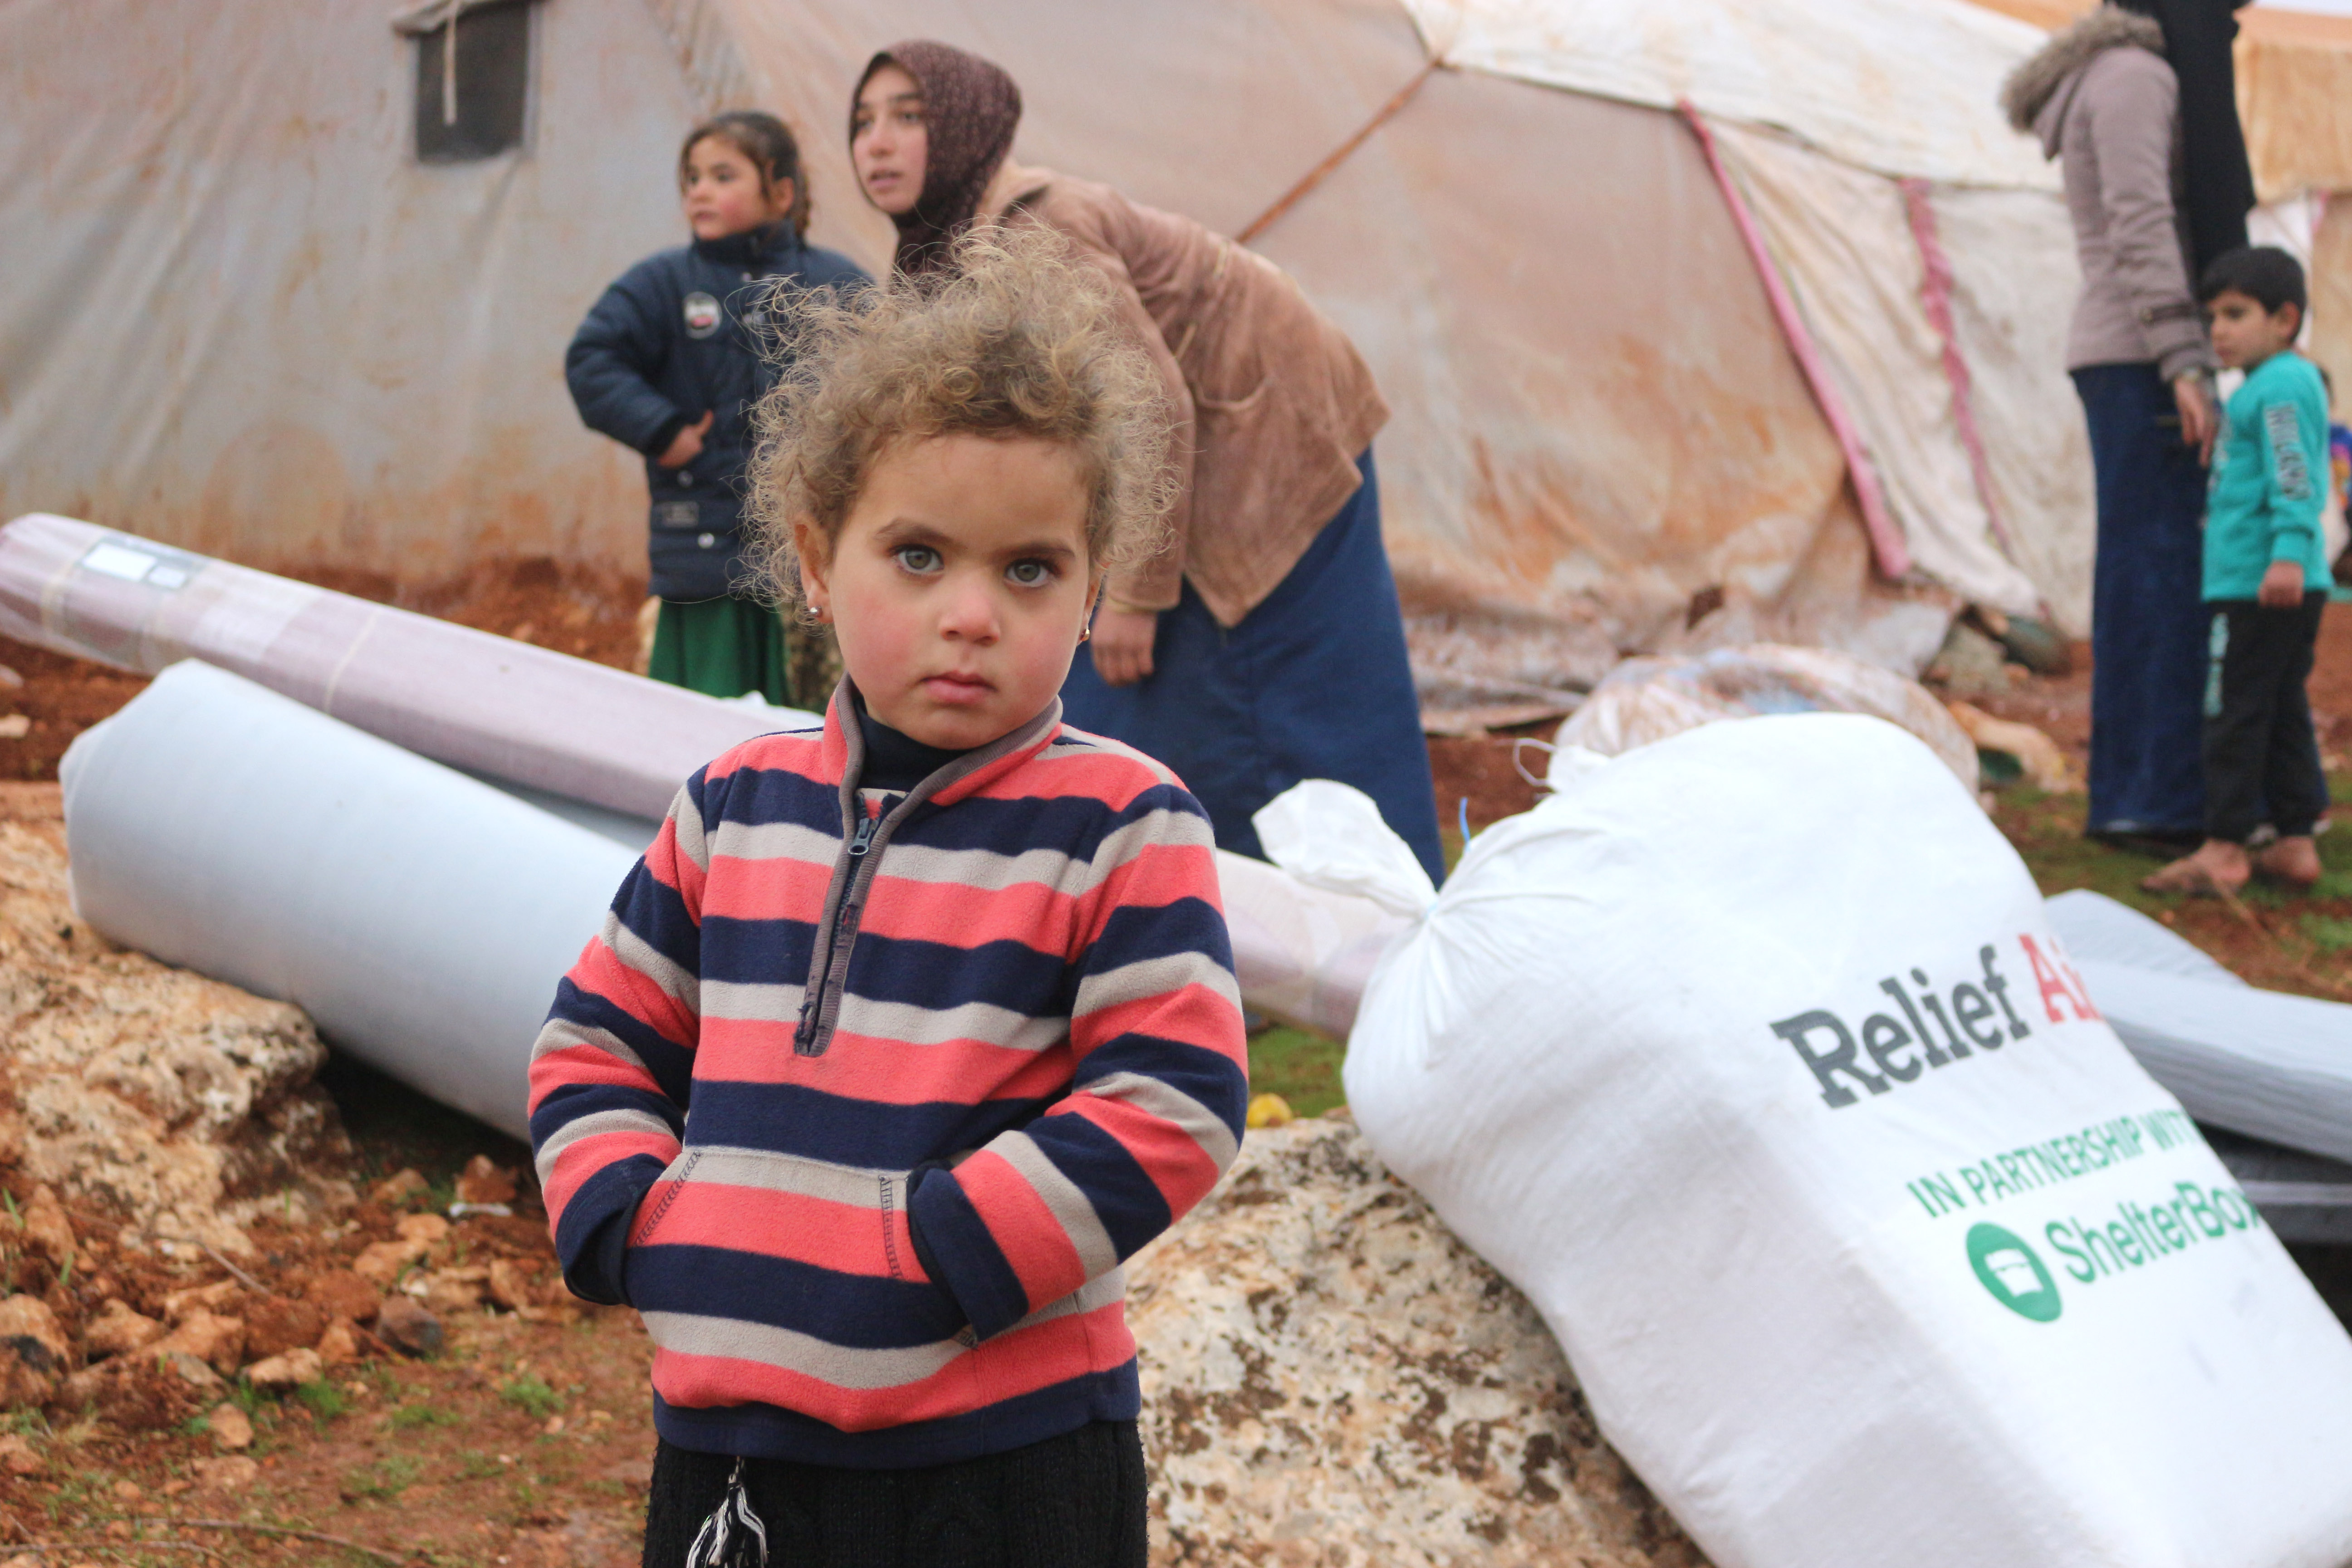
2266 582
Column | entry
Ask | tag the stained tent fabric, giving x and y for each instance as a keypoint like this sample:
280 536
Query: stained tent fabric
1924 247
245 318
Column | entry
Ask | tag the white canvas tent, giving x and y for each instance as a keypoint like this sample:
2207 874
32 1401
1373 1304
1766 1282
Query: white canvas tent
243 316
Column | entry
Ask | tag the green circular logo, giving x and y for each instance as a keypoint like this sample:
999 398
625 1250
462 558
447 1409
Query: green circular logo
2013 1274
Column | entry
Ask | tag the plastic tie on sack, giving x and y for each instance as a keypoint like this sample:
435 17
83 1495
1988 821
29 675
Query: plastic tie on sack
1331 835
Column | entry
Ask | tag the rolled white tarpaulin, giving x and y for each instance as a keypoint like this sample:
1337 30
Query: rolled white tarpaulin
2264 1063
488 704
420 917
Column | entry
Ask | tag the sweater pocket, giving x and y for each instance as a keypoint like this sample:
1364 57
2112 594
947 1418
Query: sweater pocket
666 1189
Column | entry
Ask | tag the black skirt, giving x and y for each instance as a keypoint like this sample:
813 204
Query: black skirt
1073 1502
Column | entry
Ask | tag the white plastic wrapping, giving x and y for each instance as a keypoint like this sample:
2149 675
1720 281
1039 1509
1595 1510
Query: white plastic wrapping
1676 1050
420 917
487 704
1647 700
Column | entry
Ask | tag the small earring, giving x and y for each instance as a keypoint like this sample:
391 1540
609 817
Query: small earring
1087 635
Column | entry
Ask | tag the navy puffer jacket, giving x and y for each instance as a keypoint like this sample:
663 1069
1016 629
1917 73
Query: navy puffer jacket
677 336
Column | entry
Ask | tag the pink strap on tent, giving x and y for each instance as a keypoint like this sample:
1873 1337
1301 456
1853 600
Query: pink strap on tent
1935 296
1886 541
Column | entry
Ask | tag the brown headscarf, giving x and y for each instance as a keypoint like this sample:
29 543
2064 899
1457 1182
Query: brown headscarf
971 109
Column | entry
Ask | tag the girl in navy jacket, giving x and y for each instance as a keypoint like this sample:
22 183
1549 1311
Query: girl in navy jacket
670 362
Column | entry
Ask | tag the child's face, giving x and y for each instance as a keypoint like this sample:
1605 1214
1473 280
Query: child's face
959 584
2244 334
722 192
887 139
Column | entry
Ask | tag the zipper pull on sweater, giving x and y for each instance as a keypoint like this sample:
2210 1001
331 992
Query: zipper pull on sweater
863 839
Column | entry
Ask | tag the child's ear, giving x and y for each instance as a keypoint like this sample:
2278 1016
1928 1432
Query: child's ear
809 546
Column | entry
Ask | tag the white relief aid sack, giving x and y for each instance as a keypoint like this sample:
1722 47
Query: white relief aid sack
1751 1059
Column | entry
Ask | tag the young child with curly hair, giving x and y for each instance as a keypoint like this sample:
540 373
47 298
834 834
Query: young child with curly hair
946 983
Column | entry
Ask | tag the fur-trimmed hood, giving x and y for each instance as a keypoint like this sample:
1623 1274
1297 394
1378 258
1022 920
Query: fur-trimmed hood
2031 86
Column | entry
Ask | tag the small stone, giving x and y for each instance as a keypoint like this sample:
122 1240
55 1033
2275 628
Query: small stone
399 1187
179 1305
191 1370
292 1369
32 1350
408 1327
339 1345
17 1457
457 1290
427 1228
216 1340
339 1293
512 1285
231 1428
233 1473
47 1229
129 1490
82 1389
118 1330
554 1425
559 1313
274 1325
383 1262
483 1183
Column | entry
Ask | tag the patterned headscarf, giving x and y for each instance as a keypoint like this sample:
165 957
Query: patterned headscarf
971 109
2220 186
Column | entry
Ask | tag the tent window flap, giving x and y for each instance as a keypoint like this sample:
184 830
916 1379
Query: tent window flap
471 100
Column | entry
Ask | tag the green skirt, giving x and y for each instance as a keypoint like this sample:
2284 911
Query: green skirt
725 647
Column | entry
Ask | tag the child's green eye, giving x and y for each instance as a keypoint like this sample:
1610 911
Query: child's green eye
1029 574
920 558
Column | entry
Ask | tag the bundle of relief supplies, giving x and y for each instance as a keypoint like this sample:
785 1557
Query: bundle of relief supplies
1750 1056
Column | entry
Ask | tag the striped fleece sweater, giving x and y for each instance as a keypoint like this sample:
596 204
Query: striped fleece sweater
862 1102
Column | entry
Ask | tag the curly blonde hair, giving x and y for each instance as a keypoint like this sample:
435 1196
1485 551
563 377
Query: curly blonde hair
1016 339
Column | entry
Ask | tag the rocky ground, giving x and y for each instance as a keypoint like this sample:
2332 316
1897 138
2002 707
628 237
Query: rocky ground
245 1329
243 1326
1330 1380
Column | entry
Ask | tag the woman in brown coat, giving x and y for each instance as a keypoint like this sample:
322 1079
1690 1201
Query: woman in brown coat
1262 644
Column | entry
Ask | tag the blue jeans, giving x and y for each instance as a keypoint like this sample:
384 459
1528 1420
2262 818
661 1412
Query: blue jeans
1311 684
2147 616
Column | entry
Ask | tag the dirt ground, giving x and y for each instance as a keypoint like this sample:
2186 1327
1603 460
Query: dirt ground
526 1441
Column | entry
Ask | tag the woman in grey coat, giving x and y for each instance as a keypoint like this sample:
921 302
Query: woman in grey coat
2137 103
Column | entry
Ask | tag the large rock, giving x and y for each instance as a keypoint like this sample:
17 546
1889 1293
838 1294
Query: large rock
150 1092
1330 1380
32 1350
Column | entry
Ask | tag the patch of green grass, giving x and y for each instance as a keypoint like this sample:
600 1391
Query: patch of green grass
1302 1067
386 1479
409 1417
325 1400
2329 934
2047 830
531 1394
476 1466
196 1426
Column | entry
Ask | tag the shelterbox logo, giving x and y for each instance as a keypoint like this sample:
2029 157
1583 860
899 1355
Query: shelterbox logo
1973 1016
2015 1275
